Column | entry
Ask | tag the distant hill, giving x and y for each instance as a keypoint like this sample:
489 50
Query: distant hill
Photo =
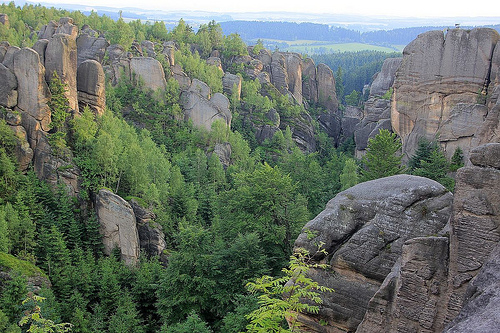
291 31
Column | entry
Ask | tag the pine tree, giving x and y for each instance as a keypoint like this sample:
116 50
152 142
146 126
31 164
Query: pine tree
349 176
382 158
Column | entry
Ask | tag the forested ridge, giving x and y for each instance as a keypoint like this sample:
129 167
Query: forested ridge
225 225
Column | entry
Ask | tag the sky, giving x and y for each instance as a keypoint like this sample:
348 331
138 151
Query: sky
401 8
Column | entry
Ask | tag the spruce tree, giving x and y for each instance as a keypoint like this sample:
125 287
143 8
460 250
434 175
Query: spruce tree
383 156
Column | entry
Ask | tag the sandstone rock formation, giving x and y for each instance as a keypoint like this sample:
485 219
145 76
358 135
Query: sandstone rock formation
449 282
203 109
117 226
442 86
377 111
8 88
91 86
364 229
151 236
232 82
90 47
61 58
150 71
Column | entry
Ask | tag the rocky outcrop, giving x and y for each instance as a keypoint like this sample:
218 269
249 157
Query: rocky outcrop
33 93
4 19
150 71
326 88
364 229
203 109
377 110
64 26
91 86
442 86
91 47
151 236
480 313
411 295
232 84
117 226
474 230
8 88
61 58
449 281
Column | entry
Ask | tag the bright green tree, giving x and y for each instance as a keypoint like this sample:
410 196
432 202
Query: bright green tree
39 324
282 299
349 176
383 156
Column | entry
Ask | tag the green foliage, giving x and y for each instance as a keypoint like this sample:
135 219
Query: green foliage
353 98
349 176
457 160
388 94
281 301
39 324
121 33
233 46
382 157
193 323
433 164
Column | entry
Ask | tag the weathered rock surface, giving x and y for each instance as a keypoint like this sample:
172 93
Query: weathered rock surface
326 88
232 82
91 86
474 230
117 226
150 71
61 58
202 109
363 229
410 297
8 87
440 81
151 236
91 47
8 59
480 313
385 78
4 19
33 92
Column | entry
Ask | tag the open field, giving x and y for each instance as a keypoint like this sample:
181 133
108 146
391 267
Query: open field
315 47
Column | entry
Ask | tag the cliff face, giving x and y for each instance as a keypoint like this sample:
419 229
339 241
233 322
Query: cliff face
407 256
446 88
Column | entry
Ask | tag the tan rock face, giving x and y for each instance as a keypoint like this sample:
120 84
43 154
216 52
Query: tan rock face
118 226
440 80
326 88
8 87
61 57
33 92
91 86
150 71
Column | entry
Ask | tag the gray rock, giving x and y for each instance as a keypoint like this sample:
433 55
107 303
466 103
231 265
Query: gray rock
61 57
117 226
385 78
231 82
33 92
486 155
294 74
410 295
4 19
40 46
151 236
148 48
363 229
91 86
482 299
327 97
91 48
309 83
8 87
150 71
8 60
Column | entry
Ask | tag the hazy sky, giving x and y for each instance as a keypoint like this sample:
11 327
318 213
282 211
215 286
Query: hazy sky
407 8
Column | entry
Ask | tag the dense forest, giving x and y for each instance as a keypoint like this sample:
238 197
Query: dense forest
291 31
225 226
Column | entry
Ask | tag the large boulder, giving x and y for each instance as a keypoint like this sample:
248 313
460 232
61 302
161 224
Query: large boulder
363 229
279 73
202 109
309 83
411 295
231 83
91 86
150 71
327 97
117 226
385 78
438 84
294 74
151 236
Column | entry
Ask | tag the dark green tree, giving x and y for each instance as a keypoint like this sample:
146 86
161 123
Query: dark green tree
383 156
